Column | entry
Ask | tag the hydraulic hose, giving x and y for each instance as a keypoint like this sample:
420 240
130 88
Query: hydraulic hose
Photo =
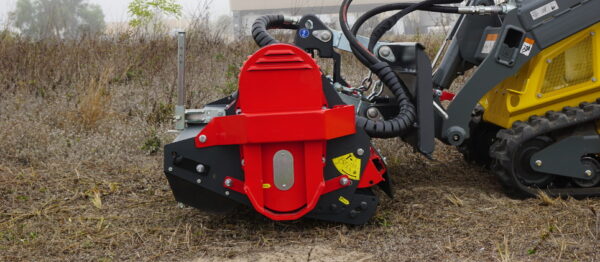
388 23
407 113
406 117
264 23
397 6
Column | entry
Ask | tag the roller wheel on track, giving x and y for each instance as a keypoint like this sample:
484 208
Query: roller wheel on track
522 168
512 150
593 165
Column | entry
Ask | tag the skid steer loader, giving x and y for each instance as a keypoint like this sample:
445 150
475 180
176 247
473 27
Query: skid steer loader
292 142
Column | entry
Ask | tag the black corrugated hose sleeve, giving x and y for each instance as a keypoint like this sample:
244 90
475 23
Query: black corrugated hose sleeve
263 24
403 122
391 7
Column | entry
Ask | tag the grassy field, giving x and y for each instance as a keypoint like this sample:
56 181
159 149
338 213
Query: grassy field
82 125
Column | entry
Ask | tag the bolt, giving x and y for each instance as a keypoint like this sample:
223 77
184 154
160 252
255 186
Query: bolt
228 182
226 193
360 151
456 137
323 159
539 95
284 185
325 36
363 205
243 162
549 61
385 51
538 162
200 168
198 180
202 138
594 79
592 33
309 24
170 169
372 112
588 172
344 181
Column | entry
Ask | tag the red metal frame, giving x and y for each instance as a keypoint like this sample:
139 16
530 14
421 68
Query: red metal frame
282 107
374 171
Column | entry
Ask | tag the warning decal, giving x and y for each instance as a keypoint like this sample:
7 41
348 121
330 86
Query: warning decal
544 10
349 165
488 45
527 46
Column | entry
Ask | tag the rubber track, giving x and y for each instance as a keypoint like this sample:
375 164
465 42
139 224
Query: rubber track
509 140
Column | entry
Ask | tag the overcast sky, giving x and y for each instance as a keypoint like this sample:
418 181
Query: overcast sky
116 10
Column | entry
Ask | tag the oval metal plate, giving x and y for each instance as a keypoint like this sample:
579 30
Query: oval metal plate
283 170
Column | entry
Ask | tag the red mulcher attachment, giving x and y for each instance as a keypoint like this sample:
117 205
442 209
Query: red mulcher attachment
298 153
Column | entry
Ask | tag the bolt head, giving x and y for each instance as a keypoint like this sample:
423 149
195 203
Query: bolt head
363 205
456 137
243 162
309 24
198 180
170 169
226 193
202 138
344 181
360 151
324 160
228 182
588 173
325 36
539 95
538 162
385 51
372 112
200 168
594 79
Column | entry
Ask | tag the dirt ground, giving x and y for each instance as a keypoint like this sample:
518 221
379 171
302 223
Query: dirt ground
82 125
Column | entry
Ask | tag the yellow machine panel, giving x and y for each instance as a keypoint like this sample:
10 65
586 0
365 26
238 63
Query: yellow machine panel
564 74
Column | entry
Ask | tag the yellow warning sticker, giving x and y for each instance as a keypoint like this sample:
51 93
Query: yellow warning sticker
344 200
266 186
349 165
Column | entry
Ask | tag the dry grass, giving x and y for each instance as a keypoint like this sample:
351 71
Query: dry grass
82 126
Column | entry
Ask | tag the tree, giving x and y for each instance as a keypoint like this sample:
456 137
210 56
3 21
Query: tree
39 19
144 12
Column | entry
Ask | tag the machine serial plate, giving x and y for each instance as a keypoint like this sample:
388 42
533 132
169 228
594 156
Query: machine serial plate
283 170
